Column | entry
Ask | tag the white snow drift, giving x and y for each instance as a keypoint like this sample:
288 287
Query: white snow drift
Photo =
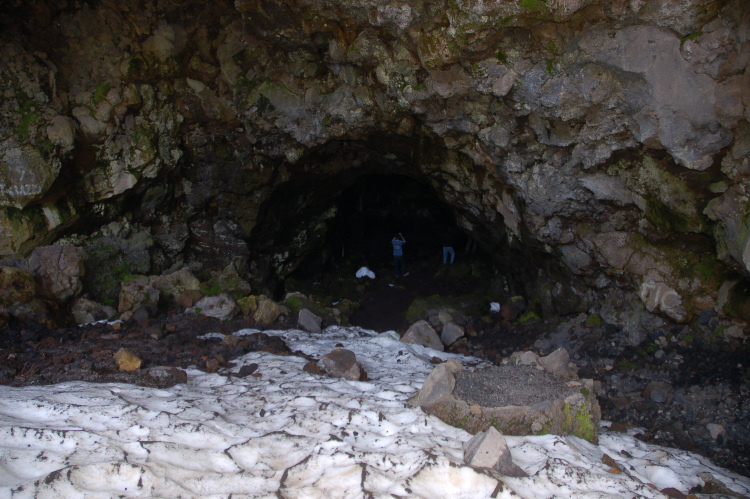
296 435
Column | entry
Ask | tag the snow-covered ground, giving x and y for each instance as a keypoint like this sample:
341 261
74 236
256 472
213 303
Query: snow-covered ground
292 434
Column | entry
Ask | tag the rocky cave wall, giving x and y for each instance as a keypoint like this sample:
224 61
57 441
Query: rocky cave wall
608 142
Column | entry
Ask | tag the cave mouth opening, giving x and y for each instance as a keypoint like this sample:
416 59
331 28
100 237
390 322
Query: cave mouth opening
370 213
339 208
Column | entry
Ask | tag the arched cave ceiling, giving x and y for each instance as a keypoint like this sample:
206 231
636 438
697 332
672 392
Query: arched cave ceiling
603 144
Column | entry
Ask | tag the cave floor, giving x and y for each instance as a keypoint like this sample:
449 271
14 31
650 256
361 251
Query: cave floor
714 388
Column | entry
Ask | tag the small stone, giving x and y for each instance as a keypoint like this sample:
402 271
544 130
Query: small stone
421 333
489 450
231 340
189 298
658 391
609 461
220 307
248 369
342 363
212 365
451 333
718 433
168 376
248 305
312 367
308 321
267 312
508 312
127 360
444 317
557 363
438 385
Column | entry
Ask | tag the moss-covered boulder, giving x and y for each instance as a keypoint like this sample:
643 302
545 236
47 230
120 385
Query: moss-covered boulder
16 286
515 399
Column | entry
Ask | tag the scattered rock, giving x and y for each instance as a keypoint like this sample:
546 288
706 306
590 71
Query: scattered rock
444 317
86 311
308 321
168 376
138 298
189 298
127 360
718 433
557 363
248 305
658 391
172 286
489 450
342 363
248 369
451 332
219 307
438 386
421 333
267 312
509 312
312 367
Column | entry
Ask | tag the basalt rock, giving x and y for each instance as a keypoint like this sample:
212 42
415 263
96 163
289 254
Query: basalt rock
515 400
592 148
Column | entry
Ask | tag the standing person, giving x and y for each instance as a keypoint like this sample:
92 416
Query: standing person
398 254
448 247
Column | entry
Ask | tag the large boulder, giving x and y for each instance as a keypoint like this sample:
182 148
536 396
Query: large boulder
58 271
515 399
25 176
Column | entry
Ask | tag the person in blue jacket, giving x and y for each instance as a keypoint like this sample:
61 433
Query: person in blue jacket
398 255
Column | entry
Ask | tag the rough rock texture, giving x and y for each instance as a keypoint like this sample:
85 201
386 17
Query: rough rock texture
421 333
594 147
450 333
308 321
57 271
267 311
219 307
127 360
16 286
86 311
516 400
489 450
342 363
138 296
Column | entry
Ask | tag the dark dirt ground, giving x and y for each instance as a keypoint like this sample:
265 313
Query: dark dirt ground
31 354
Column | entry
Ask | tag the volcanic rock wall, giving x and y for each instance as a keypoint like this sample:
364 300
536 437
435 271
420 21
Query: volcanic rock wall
608 140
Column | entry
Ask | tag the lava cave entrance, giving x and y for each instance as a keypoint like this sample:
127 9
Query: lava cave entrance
371 212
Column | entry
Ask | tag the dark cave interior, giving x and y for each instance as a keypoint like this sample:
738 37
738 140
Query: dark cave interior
371 212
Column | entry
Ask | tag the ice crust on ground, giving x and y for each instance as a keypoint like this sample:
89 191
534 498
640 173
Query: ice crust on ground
292 434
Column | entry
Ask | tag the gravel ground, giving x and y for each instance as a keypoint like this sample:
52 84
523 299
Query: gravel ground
500 386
